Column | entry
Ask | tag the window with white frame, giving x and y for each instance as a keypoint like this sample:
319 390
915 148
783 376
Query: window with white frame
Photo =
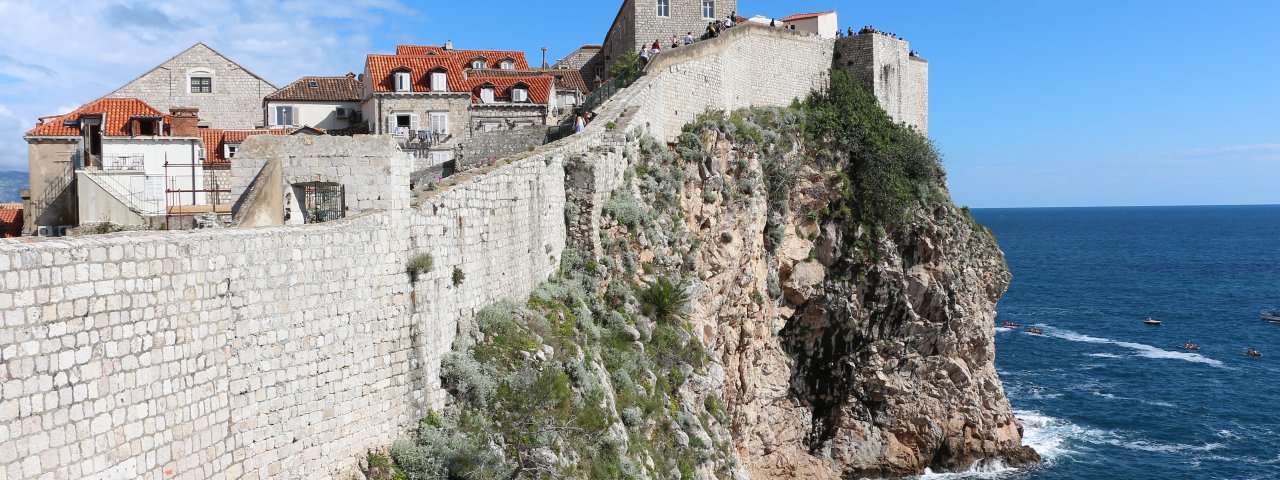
486 94
439 81
231 149
284 115
708 8
507 64
664 8
201 84
403 83
519 94
439 122
478 63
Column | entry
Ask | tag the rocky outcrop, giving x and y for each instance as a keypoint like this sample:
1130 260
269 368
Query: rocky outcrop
849 351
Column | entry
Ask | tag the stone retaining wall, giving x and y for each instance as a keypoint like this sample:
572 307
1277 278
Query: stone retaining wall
287 352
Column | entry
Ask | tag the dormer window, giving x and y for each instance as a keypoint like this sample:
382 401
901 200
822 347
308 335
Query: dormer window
519 94
479 63
486 94
402 81
313 84
507 64
146 127
439 81
230 149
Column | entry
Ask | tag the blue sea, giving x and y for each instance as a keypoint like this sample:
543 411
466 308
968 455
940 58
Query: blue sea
1104 396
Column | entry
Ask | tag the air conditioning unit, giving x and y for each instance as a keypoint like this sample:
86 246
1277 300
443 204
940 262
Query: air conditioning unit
44 231
344 112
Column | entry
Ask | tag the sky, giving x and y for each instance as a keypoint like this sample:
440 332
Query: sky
1032 102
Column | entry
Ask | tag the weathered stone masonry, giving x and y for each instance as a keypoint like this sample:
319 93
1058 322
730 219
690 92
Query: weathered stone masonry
287 352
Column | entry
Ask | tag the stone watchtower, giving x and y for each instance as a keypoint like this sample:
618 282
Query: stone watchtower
640 22
886 67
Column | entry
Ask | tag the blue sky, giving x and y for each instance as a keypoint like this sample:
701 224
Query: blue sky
1033 102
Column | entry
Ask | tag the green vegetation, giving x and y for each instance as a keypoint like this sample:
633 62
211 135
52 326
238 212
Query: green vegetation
421 263
626 68
886 169
665 301
458 277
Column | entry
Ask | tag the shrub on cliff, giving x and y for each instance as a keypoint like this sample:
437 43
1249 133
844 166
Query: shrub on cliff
887 168
664 300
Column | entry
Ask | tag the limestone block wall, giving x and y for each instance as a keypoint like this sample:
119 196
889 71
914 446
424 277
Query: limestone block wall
500 143
884 66
287 352
236 100
372 168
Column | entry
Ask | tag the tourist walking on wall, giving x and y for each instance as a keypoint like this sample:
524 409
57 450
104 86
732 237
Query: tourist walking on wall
644 56
579 123
688 38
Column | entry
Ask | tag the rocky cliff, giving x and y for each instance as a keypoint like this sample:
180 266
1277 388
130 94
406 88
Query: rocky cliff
784 293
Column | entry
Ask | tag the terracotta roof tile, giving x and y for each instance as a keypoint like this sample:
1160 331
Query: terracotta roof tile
803 16
381 67
116 113
492 56
565 79
215 138
335 89
539 86
418 50
10 220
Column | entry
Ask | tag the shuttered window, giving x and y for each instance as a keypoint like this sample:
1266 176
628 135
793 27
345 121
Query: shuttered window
439 122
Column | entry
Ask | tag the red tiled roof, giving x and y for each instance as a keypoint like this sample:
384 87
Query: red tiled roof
420 66
418 50
493 56
215 138
565 79
116 113
803 16
333 89
10 220
539 87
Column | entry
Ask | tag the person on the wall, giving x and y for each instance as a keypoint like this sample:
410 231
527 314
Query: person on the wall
579 123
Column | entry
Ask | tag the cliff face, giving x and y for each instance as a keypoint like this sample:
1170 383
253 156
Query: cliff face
783 293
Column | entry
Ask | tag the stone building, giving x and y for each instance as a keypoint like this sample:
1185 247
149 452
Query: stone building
227 94
433 98
327 103
641 22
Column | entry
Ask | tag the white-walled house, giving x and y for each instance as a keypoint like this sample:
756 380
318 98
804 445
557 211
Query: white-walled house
327 103
824 24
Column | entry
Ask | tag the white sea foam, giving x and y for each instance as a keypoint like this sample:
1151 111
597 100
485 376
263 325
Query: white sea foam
1104 355
1142 349
982 469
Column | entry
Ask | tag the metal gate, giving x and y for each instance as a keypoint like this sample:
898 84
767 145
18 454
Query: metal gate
323 202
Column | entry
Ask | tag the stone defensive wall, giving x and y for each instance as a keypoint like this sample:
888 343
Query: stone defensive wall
290 351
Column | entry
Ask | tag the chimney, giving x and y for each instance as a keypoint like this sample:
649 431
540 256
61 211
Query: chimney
544 58
448 45
185 121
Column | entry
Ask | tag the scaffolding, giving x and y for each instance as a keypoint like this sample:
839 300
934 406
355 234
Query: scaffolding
188 200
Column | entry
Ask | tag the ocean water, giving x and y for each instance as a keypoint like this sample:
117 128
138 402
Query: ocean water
1102 395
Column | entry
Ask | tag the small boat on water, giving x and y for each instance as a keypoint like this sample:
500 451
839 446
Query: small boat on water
1010 325
1271 316
1190 346
1252 353
1151 321
1035 331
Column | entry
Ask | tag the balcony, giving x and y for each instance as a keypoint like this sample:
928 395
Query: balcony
123 163
420 142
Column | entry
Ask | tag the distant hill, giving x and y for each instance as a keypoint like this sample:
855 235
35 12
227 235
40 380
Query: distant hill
10 183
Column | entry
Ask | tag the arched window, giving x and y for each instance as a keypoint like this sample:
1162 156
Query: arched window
200 80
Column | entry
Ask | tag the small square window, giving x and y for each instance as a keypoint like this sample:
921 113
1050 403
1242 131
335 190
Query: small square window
201 84
232 148
313 84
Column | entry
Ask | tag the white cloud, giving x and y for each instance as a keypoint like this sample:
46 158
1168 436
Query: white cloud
55 53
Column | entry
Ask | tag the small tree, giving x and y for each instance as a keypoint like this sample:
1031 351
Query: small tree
625 69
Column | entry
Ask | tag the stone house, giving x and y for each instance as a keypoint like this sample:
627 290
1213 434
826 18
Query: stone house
327 103
227 94
433 98
123 161
641 22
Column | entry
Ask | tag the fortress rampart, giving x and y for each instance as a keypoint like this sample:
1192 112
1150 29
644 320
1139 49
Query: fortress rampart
287 352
